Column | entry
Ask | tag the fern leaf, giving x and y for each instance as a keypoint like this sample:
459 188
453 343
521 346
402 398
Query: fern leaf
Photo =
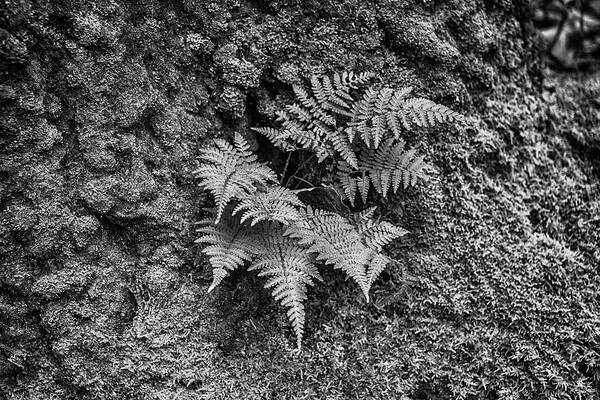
318 89
367 213
426 113
353 80
335 241
228 245
313 106
277 137
363 112
385 110
308 136
303 127
376 267
334 97
301 113
231 171
310 123
343 147
347 182
385 169
276 203
289 270
376 234
362 184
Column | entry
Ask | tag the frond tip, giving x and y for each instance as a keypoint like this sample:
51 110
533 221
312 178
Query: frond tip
289 270
376 234
335 241
228 245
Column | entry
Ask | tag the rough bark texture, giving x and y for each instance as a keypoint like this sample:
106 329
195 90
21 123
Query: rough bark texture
104 105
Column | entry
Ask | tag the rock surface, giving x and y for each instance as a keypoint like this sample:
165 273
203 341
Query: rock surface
104 107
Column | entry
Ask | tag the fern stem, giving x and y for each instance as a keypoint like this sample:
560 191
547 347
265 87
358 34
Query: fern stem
303 180
300 167
287 163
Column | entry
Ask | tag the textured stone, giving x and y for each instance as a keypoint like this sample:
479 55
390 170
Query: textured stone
104 107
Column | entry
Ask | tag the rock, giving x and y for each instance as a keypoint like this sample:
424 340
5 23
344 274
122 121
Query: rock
12 50
98 194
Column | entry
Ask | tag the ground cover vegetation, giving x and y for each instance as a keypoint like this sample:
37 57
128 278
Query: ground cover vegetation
106 107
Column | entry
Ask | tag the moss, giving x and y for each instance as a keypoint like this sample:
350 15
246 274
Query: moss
419 37
68 280
199 43
20 217
90 29
83 231
104 105
12 49
97 194
232 101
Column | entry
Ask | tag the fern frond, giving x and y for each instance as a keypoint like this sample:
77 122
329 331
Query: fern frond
350 80
313 106
311 123
385 110
426 113
277 137
337 98
228 245
275 203
335 241
376 267
397 120
376 234
332 97
231 171
362 113
385 168
310 134
289 270
343 146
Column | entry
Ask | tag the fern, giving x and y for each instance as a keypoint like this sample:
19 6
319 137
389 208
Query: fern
385 111
231 171
376 266
228 245
311 123
275 203
289 269
335 241
385 168
376 234
258 222
327 118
